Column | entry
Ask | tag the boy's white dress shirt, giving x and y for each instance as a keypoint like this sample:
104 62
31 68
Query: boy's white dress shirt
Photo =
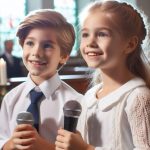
56 94
118 121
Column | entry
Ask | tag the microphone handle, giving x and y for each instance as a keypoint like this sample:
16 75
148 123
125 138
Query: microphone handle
70 123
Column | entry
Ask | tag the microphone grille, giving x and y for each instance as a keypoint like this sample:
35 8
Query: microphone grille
25 118
72 108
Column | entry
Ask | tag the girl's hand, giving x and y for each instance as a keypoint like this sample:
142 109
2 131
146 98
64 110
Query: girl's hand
70 141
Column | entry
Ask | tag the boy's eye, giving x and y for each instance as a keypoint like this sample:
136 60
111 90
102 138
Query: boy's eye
47 45
29 43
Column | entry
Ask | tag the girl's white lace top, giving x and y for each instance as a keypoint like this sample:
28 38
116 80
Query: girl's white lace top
118 121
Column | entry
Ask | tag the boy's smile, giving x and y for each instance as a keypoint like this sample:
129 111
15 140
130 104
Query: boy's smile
37 63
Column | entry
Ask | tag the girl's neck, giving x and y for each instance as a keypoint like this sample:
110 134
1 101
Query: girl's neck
112 81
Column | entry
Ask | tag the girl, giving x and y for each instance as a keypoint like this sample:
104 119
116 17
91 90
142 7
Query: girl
116 113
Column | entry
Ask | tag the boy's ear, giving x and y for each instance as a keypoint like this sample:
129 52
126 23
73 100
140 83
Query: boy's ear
132 44
20 43
64 59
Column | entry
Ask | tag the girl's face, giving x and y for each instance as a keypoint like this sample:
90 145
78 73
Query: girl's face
42 54
102 45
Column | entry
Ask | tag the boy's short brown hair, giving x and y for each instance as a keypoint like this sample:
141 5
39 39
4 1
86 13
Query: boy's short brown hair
45 18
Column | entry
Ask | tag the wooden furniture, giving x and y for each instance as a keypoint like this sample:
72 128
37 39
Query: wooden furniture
78 82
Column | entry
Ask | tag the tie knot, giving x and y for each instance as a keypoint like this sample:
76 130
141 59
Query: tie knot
35 96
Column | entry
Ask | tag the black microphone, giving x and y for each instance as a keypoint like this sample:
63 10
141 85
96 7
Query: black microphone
25 118
72 110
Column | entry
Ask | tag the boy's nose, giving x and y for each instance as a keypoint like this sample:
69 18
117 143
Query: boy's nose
37 51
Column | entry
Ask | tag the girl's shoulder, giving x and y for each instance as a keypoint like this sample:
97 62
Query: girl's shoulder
139 97
90 96
93 90
140 92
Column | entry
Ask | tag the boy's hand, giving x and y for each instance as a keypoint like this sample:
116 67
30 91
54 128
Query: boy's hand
70 141
25 137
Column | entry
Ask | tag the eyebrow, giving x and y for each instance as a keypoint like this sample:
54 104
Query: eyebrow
100 28
44 41
49 41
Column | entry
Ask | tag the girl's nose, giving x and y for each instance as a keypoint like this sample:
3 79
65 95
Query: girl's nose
92 42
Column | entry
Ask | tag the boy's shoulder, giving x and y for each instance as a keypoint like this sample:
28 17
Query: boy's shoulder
16 90
19 86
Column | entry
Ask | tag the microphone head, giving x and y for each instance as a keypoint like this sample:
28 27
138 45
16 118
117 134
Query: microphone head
72 108
25 118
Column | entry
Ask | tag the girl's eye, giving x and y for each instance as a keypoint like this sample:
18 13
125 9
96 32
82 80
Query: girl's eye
47 45
84 35
102 34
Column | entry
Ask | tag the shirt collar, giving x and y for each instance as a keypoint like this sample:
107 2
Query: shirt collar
115 96
48 87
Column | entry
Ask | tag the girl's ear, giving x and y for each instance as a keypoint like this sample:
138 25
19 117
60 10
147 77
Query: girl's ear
132 44
64 59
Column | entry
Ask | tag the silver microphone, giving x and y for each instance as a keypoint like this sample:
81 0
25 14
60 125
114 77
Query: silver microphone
25 118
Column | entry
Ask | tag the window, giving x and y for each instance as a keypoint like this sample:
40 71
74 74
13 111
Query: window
11 13
69 9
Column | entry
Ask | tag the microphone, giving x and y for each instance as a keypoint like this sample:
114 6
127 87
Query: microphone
25 118
72 110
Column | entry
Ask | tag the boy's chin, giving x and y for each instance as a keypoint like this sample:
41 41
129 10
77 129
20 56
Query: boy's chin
40 75
34 73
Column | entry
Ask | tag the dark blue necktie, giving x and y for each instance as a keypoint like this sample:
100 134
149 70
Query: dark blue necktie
33 107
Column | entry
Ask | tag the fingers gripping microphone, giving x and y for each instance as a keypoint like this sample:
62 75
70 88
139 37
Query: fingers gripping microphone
72 110
25 118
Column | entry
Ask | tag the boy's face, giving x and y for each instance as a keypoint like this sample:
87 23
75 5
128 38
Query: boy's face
42 54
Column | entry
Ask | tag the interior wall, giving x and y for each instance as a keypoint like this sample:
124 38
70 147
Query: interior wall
82 4
144 5
39 4
33 5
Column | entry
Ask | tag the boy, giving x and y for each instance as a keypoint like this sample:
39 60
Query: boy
47 39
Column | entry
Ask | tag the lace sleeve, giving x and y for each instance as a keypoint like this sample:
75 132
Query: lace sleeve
139 119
